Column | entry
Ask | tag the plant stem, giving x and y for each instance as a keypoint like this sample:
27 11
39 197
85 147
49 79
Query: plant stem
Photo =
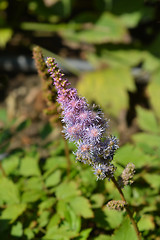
127 208
67 155
2 170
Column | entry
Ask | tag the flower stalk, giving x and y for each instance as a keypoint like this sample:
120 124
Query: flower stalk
126 207
87 127
2 170
49 95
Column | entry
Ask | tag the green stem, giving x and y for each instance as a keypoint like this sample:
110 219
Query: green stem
127 208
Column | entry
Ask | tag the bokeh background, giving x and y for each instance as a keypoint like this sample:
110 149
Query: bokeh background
109 50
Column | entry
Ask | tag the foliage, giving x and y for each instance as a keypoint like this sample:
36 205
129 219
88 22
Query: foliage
39 200
44 198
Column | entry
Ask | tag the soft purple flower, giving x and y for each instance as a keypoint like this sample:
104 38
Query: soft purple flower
84 125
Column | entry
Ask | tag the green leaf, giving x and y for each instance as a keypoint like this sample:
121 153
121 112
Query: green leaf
17 230
153 179
61 208
147 120
8 191
149 139
110 189
72 220
84 234
10 164
32 196
29 167
103 237
141 196
97 200
107 28
126 58
131 154
149 209
53 179
32 183
32 189
134 12
146 223
43 218
53 222
12 212
108 84
113 217
5 36
151 62
85 175
47 204
147 149
125 231
82 207
67 190
153 90
107 219
60 233
29 233
53 162
130 20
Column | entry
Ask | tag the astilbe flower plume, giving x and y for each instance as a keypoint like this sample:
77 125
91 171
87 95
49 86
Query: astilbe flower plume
49 95
49 92
85 126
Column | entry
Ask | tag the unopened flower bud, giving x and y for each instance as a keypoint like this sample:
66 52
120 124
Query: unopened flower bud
127 175
116 205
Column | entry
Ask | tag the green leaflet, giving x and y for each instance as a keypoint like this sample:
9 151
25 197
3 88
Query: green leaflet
9 191
125 231
104 86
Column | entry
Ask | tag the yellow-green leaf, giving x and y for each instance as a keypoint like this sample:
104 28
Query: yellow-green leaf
12 212
9 192
82 207
146 223
147 120
108 88
108 28
125 231
29 167
5 36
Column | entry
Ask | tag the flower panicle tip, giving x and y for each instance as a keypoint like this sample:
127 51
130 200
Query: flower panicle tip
84 125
